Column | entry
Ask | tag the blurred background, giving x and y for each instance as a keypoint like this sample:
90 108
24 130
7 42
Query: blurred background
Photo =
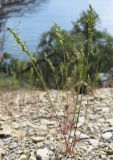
32 18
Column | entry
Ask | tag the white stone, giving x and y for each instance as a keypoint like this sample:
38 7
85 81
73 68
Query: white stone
32 157
94 142
107 135
2 152
38 139
5 133
22 157
43 127
81 121
105 109
80 135
110 121
43 153
45 121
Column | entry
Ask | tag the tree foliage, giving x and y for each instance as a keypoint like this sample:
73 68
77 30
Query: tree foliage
62 53
101 57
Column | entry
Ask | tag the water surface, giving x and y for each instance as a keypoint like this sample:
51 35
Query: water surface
31 25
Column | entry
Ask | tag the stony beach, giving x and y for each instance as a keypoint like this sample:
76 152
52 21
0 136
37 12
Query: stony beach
29 131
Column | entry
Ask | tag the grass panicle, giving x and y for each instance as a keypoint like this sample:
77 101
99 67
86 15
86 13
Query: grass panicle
71 110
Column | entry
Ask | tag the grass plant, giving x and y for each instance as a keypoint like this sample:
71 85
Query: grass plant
71 109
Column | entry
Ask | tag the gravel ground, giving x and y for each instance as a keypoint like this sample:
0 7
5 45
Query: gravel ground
28 129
